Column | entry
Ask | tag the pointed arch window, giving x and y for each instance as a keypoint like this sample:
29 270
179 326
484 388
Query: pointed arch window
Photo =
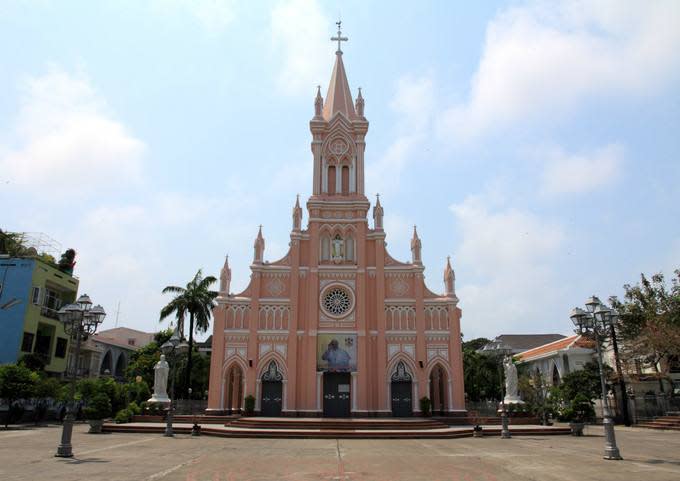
331 179
401 374
272 373
325 247
349 248
345 180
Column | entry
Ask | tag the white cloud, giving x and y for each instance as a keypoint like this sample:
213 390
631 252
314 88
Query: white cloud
213 15
64 135
506 259
300 37
129 252
413 104
544 59
579 173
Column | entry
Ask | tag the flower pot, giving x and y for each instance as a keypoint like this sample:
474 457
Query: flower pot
576 428
95 426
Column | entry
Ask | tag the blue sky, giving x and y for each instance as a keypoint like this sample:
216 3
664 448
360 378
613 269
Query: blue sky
536 143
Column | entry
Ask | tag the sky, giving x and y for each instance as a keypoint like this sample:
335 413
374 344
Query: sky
536 143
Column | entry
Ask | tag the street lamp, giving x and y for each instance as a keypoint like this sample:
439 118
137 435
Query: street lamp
80 320
173 348
597 321
503 352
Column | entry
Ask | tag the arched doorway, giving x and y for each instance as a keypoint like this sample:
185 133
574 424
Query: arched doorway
438 384
555 376
233 389
401 390
272 391
121 364
106 366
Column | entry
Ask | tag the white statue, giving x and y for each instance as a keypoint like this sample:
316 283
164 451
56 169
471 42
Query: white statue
160 381
511 393
338 249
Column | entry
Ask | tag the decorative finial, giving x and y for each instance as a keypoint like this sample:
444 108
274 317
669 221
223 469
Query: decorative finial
339 38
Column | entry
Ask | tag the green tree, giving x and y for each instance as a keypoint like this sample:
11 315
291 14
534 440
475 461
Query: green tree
538 395
16 382
585 381
45 388
481 372
197 300
649 322
34 361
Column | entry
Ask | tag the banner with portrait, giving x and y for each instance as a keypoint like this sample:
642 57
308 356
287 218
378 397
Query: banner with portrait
336 352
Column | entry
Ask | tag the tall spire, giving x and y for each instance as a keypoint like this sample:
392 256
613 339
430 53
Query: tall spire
258 256
378 214
339 96
416 247
449 278
225 278
297 215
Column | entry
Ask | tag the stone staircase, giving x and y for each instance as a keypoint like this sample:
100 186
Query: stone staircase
671 422
346 428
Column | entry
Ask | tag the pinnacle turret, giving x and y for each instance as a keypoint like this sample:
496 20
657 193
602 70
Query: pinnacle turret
416 247
225 277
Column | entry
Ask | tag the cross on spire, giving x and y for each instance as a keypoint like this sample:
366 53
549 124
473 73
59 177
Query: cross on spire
339 38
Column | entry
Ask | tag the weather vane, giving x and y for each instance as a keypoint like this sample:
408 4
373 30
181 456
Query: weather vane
339 38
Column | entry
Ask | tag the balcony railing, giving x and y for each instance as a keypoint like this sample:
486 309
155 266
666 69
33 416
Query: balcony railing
49 312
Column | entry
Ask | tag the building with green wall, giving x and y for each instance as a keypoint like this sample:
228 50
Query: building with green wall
31 293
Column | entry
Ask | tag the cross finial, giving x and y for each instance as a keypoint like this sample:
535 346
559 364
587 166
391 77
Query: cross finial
339 38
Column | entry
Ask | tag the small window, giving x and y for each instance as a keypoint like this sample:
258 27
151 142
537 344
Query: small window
131 341
35 296
27 342
60 351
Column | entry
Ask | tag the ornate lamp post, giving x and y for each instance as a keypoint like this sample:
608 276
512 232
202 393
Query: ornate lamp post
80 321
173 348
597 321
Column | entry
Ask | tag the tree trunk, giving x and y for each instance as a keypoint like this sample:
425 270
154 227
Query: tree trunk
191 350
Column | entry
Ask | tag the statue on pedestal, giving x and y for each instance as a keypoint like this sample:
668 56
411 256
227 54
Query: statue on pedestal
160 381
511 383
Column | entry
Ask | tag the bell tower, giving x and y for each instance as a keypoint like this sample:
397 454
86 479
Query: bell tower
338 131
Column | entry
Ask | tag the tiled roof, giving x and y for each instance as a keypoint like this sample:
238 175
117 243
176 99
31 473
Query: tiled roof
114 342
555 346
522 342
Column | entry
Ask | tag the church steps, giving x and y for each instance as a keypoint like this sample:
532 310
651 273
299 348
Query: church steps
231 432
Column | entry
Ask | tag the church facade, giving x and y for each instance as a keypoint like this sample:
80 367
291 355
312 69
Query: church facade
337 327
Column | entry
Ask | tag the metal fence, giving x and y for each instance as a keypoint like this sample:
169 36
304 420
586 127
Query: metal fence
487 408
650 406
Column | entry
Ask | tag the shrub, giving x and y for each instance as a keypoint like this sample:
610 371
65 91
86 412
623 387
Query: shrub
426 406
134 408
250 405
99 407
123 416
137 391
579 410
152 409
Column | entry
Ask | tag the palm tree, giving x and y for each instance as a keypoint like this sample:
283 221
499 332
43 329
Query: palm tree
198 301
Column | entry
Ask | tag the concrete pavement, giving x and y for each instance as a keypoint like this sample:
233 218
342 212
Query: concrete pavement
27 454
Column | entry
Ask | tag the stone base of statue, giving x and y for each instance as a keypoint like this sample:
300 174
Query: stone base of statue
512 400
159 399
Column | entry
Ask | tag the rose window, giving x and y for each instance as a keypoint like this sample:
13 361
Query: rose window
337 301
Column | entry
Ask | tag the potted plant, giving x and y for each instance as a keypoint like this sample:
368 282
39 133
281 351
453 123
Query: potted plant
577 412
477 431
249 405
426 406
98 408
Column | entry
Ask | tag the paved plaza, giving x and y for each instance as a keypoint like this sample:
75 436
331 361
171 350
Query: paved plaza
27 454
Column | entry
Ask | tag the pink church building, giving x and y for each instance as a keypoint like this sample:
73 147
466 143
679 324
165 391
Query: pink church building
337 327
